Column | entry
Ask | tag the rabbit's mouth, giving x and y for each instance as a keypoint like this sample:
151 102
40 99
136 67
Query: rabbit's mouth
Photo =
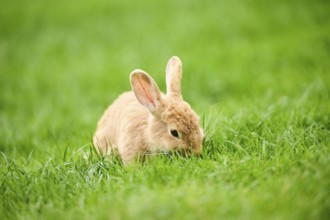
184 152
197 151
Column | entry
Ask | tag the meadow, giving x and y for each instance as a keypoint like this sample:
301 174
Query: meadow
257 72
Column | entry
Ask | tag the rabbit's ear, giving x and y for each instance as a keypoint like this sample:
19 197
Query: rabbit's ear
173 76
145 90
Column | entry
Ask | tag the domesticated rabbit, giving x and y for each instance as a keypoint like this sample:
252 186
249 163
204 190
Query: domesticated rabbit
145 120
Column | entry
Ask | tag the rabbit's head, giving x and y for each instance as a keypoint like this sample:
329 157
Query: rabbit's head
172 124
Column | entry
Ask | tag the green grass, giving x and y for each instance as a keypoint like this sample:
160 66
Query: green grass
257 72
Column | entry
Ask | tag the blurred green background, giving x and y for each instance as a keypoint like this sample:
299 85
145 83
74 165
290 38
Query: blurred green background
63 62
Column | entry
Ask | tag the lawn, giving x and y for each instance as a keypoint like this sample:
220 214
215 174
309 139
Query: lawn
257 72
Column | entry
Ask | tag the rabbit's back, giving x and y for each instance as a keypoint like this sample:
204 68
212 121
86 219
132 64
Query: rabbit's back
122 124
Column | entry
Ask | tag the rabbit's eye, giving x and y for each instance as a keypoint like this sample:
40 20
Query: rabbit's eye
175 133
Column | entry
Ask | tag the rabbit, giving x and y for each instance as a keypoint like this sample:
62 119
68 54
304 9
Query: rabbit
145 120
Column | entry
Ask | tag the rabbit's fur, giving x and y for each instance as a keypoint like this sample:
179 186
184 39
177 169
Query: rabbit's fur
145 120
